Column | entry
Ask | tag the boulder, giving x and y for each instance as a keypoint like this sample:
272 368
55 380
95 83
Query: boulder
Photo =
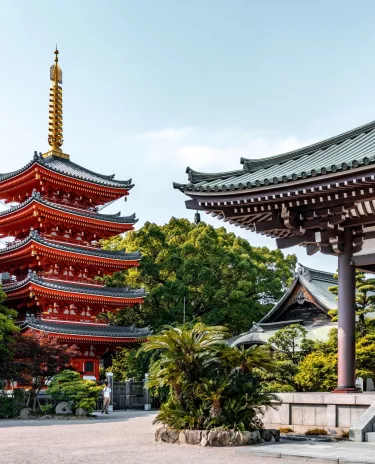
64 408
167 435
182 438
235 438
218 437
204 439
275 434
251 438
80 412
266 435
193 437
25 413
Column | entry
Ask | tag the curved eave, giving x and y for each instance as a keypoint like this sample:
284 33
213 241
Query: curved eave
53 208
62 290
69 252
41 166
333 159
87 338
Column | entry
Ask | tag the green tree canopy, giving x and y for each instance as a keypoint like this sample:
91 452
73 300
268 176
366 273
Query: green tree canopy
364 298
7 328
224 280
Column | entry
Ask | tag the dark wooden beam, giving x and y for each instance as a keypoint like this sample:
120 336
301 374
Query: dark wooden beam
288 242
275 224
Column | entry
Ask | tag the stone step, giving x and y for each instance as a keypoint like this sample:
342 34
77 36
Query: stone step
370 436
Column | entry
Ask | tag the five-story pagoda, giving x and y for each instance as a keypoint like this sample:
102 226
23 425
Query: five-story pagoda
49 268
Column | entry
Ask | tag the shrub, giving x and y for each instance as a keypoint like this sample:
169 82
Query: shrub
286 430
69 386
48 408
10 406
317 431
6 409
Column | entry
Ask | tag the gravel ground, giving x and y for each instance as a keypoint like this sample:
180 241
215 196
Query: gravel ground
120 438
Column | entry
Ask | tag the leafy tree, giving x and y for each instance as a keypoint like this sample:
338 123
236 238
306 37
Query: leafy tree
318 372
69 386
291 343
222 278
7 329
365 300
210 383
37 358
131 363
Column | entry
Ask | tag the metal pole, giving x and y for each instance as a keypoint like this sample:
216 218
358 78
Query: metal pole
346 317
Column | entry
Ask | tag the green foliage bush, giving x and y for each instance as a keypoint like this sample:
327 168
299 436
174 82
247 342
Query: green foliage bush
10 406
69 386
210 384
48 408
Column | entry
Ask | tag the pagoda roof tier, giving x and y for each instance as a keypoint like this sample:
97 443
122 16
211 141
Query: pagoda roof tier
68 252
35 204
86 332
305 197
62 171
64 290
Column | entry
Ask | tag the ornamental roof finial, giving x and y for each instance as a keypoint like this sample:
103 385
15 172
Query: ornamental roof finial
55 126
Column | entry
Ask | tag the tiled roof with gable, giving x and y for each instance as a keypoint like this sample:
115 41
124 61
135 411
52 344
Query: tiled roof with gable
316 283
93 330
350 150
66 167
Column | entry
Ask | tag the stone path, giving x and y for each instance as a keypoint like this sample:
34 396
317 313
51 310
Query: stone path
124 437
332 452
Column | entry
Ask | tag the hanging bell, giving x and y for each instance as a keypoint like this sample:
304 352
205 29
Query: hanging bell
197 218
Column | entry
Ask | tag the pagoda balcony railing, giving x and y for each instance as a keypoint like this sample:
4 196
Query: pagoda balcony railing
73 205
67 318
60 277
69 240
72 279
57 239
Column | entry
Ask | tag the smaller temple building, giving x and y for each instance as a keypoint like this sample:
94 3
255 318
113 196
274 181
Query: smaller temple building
307 302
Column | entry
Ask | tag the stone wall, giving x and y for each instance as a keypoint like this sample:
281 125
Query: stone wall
332 411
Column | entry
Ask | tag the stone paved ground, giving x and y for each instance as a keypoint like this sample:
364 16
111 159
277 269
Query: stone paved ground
124 437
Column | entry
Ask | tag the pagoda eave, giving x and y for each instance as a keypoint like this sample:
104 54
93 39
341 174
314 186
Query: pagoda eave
32 250
41 177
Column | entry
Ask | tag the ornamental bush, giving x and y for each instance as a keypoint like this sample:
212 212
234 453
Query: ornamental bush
209 383
69 386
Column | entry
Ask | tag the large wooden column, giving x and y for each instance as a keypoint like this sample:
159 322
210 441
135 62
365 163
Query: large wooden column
346 318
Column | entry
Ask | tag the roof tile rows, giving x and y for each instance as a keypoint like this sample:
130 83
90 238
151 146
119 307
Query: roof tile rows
67 167
95 330
349 150
104 217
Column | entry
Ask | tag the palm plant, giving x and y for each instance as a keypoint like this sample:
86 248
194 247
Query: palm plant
210 383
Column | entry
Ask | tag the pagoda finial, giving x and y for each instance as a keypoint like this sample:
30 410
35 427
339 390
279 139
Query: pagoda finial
55 126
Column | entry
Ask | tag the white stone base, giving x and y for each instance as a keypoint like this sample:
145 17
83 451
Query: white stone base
331 411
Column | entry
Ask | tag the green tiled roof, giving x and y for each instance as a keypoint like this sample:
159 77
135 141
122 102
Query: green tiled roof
349 150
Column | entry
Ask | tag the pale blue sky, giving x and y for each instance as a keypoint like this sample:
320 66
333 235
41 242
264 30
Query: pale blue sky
153 86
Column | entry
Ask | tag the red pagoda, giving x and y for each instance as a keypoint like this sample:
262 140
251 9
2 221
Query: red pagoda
49 267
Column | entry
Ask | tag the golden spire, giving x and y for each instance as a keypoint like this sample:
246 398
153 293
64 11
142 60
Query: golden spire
55 129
